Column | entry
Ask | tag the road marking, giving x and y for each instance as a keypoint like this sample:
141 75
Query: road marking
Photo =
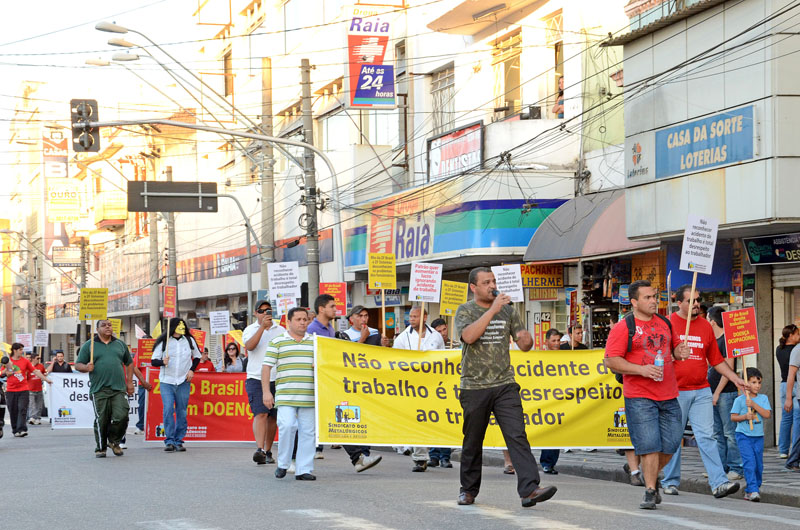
738 513
679 521
339 520
176 524
529 520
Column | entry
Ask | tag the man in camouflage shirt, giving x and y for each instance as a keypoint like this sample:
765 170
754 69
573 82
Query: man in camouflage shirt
486 325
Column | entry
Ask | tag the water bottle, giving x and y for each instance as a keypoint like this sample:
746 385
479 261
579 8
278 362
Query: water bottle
659 363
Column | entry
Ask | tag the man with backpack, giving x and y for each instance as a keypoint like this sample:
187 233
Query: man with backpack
640 348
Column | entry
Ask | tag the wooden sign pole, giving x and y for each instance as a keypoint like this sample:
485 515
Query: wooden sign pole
689 316
746 393
421 323
452 330
383 312
91 344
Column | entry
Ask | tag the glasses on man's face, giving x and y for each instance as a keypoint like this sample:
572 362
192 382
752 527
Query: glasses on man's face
263 310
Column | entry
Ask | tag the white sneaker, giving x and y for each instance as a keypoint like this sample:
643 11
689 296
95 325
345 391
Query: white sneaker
137 431
291 468
783 455
366 462
318 455
733 475
123 446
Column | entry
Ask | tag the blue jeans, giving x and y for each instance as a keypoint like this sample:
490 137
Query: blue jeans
440 453
654 426
696 407
141 393
176 400
787 438
725 433
752 449
549 458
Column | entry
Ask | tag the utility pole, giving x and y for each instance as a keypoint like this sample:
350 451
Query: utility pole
172 252
309 220
152 221
267 174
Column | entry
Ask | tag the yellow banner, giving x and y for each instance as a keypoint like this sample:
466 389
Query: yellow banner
116 326
453 295
381 396
94 303
382 271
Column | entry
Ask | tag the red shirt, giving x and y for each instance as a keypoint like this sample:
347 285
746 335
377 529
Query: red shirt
207 366
652 336
692 373
34 383
18 380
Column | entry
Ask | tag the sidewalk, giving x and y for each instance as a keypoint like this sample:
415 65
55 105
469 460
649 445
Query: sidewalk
778 487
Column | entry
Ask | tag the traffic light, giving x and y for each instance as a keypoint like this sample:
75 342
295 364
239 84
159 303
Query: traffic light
241 320
84 138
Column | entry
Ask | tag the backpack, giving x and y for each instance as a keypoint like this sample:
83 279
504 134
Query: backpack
630 321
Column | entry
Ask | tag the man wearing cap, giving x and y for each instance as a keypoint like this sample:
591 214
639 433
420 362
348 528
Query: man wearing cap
360 332
256 338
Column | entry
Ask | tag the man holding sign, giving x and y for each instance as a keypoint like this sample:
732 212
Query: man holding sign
108 363
695 396
486 324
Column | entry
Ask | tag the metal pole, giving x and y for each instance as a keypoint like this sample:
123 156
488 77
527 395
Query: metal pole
154 262
249 278
310 192
267 174
172 251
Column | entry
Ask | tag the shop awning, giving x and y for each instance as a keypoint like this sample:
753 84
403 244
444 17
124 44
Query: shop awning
586 227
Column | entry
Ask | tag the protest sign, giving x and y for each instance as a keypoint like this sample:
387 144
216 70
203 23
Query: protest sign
382 271
453 295
741 332
41 337
218 410
93 304
368 395
144 352
69 404
509 281
200 337
26 339
284 280
170 301
699 243
426 282
116 326
338 290
220 322
236 334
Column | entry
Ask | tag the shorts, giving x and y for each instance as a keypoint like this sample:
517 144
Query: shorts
654 426
255 396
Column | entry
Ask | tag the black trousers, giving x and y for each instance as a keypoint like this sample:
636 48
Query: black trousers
505 403
17 403
355 452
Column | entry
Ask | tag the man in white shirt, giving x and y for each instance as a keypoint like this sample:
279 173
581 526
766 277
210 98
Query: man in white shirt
359 331
256 338
409 340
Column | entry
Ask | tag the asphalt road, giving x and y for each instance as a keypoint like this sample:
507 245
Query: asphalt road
51 480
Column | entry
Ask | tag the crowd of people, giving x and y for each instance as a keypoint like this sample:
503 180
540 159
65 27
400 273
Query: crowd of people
674 371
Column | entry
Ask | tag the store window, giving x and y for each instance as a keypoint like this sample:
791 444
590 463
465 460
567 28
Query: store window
443 99
506 63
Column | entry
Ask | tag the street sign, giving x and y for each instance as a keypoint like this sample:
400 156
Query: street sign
191 196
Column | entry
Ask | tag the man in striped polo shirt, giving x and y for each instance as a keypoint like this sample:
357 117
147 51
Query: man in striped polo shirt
291 354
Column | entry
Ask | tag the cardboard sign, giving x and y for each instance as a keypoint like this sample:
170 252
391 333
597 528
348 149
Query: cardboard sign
116 326
144 351
453 295
41 338
426 282
220 322
26 339
741 332
170 301
699 243
94 303
509 281
338 290
200 337
284 280
382 271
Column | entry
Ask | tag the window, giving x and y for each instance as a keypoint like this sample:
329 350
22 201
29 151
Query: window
383 127
443 99
554 36
336 130
506 64
227 72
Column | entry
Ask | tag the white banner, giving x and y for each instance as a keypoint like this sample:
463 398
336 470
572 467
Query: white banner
26 339
220 322
40 338
69 406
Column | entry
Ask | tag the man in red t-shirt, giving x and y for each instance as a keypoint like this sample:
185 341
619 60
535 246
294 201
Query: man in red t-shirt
205 364
695 396
651 405
16 371
36 397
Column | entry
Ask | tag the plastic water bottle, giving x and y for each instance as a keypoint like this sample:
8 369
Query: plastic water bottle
659 363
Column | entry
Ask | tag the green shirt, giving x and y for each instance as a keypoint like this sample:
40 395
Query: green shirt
486 363
293 362
108 363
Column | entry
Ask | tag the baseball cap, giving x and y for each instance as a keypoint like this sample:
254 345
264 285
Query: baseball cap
356 310
259 303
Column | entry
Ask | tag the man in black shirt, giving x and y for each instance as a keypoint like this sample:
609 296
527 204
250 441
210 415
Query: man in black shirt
59 365
575 334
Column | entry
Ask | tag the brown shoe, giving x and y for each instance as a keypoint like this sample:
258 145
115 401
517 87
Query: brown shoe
538 495
465 498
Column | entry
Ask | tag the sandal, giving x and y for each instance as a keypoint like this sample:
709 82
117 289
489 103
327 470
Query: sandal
509 470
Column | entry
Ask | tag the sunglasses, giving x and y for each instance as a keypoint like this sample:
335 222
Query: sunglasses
231 349
262 311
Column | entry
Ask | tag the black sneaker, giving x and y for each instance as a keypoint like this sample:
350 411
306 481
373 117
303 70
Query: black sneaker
649 501
180 448
270 460
169 448
446 464
260 457
280 472
658 495
433 462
